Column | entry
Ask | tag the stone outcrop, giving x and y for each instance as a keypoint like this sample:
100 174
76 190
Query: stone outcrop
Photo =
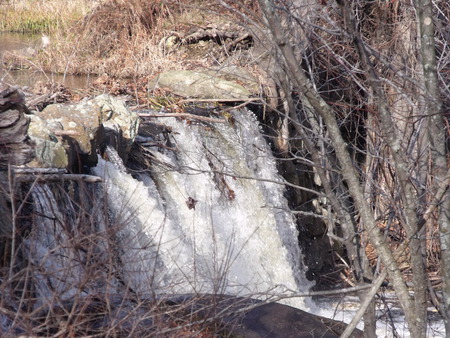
70 135
202 85
282 321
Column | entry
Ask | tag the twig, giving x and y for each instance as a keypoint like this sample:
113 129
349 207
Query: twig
220 100
364 305
238 106
443 186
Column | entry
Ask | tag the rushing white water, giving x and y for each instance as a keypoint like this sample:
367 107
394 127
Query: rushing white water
210 218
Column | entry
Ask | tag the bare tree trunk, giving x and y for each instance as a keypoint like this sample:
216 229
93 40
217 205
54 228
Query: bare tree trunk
437 137
402 169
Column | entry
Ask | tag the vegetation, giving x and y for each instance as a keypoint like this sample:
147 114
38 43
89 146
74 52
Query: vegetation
370 106
41 16
117 38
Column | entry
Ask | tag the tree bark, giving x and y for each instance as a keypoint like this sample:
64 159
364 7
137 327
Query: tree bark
437 137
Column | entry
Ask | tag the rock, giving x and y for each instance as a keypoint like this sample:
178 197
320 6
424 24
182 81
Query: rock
239 75
202 85
276 320
16 147
262 320
67 135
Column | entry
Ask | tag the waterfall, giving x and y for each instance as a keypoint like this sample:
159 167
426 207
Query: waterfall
206 215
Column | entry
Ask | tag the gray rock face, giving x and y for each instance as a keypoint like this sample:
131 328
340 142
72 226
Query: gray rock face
65 133
203 85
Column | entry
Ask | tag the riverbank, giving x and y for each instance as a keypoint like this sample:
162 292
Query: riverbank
119 47
120 39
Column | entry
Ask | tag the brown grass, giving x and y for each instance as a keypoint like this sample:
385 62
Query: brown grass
36 16
122 38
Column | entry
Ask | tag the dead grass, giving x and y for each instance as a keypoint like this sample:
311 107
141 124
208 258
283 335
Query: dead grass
122 38
36 16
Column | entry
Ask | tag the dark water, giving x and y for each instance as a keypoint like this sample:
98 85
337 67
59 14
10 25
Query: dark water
10 42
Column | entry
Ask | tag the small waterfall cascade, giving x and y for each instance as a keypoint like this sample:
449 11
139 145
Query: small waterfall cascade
199 209
207 214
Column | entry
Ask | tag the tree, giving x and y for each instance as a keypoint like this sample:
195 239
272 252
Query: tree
365 94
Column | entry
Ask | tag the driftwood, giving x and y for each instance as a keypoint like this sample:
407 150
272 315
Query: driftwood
229 38
16 147
58 177
46 93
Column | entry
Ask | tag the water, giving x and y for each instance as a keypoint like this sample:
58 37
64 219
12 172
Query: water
209 218
22 43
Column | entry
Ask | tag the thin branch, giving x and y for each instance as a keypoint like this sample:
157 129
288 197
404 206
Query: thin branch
364 305
186 115
55 177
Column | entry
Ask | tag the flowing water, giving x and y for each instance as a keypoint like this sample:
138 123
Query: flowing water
204 214
210 215
207 215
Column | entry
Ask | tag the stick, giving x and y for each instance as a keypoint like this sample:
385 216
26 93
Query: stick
191 116
220 100
367 300
18 170
53 177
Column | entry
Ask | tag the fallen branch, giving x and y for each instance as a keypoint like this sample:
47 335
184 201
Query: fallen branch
253 99
186 115
218 35
18 170
58 177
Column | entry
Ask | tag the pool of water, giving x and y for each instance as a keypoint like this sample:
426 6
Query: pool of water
10 42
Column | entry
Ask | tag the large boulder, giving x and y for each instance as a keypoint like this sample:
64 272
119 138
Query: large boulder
202 85
67 135
251 318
